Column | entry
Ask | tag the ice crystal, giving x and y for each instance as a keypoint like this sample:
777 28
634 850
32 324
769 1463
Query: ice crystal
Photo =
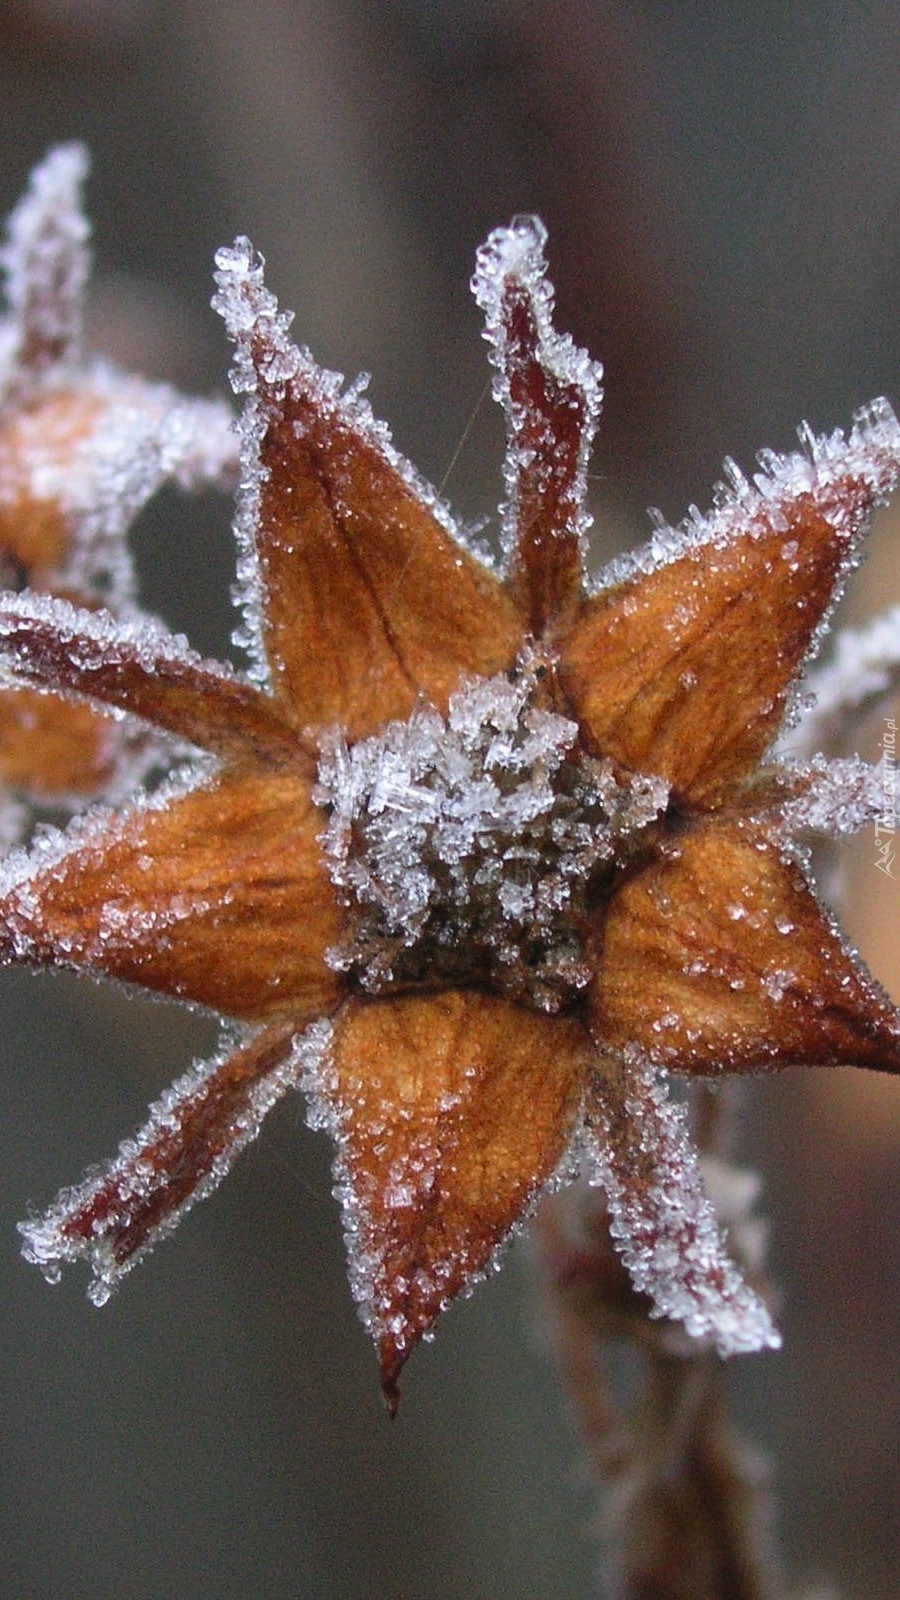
861 674
477 833
834 797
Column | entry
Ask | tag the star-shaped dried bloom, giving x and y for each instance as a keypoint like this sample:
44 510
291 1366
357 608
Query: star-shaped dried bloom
83 446
477 857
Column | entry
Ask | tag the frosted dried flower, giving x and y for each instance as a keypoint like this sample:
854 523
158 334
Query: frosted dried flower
476 857
83 446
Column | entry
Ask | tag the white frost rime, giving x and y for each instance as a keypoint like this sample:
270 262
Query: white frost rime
116 1217
870 456
541 378
46 262
663 1224
841 797
478 831
863 671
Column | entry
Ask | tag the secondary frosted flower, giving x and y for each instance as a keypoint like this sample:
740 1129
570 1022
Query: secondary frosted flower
83 446
475 857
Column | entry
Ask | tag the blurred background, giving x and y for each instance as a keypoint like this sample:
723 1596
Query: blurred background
721 187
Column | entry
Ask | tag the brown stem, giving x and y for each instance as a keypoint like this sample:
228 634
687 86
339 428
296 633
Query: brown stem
685 1503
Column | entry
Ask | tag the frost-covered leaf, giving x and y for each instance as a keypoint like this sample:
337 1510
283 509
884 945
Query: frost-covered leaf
717 958
551 393
682 662
82 445
140 668
451 1113
358 592
194 1134
82 448
660 1218
215 893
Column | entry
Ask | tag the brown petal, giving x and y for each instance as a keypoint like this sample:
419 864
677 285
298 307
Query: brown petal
51 749
38 446
717 958
661 1221
183 1152
142 669
551 393
367 599
452 1111
364 596
683 668
217 895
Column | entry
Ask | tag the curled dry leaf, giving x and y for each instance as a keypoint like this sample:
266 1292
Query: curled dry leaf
476 856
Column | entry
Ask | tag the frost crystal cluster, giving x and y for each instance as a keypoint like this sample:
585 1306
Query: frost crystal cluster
472 840
477 855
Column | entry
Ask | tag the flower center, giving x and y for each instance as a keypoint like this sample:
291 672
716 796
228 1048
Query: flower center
465 847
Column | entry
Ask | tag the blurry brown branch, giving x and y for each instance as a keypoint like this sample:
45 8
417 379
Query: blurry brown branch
685 1502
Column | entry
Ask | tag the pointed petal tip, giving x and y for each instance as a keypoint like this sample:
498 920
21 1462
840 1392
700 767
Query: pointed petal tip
239 267
552 393
744 1328
391 1363
888 1044
452 1115
876 433
252 318
40 1247
68 162
52 197
64 1235
517 251
511 267
45 261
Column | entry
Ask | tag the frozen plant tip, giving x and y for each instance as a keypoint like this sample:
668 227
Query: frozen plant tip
476 857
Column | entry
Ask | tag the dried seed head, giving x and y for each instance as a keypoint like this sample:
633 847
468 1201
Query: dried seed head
488 921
